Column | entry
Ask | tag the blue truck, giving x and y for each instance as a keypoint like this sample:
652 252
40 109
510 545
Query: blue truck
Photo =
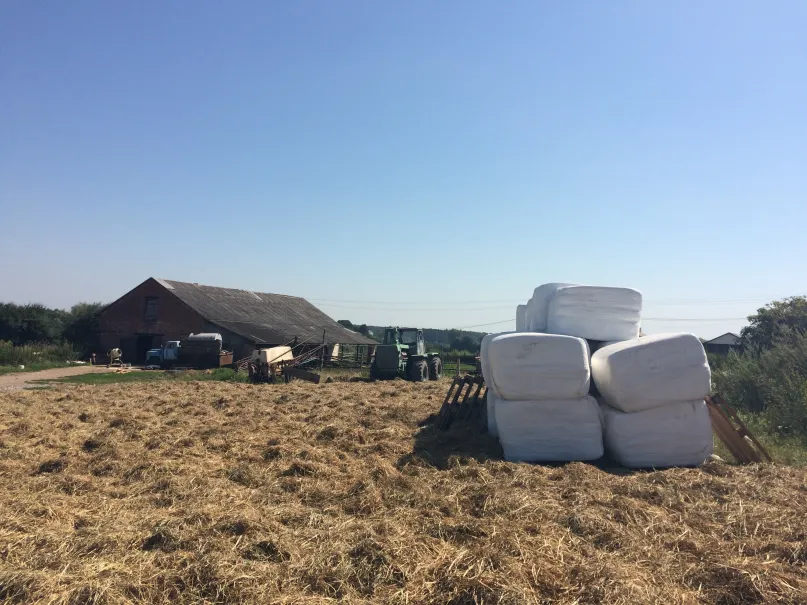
196 351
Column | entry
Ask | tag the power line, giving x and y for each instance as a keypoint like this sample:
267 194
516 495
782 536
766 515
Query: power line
684 319
412 302
493 323
694 318
329 305
513 301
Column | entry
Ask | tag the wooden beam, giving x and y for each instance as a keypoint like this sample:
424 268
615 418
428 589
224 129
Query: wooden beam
737 439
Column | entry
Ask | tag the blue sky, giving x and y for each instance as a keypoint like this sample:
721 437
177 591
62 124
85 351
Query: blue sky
423 162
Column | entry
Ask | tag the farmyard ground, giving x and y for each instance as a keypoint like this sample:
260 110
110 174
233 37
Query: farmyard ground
188 492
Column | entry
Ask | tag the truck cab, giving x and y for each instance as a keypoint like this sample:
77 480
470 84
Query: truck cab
170 353
203 350
164 357
154 359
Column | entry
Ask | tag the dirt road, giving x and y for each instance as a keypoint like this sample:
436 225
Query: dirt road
19 380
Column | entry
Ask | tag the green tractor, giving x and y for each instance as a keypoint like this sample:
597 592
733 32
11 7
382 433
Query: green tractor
404 354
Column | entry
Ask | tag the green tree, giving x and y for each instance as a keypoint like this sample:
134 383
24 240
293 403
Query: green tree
464 343
21 324
781 320
81 326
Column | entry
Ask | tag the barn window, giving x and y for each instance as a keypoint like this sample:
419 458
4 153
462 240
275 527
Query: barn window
150 313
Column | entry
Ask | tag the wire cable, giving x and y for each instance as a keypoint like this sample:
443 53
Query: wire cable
513 301
684 319
493 323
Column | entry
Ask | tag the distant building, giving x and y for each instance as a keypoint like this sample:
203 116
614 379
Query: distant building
723 344
159 310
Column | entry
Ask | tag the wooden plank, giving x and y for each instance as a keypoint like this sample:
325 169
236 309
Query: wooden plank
447 401
465 399
724 429
745 451
733 432
759 451
461 411
743 430
451 411
725 432
453 408
473 401
481 404
483 410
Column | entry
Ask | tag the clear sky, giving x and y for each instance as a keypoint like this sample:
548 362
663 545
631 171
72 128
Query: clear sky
412 162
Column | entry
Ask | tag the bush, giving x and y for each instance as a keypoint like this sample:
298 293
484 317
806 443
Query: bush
38 325
773 384
33 354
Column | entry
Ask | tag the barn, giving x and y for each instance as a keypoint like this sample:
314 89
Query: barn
159 310
724 343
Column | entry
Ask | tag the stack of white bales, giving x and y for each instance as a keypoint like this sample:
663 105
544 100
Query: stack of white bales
653 390
538 400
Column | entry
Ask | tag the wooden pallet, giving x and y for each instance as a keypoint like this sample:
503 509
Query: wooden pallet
464 401
733 432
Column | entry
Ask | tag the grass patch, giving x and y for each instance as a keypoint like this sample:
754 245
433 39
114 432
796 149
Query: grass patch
33 367
217 375
107 378
790 450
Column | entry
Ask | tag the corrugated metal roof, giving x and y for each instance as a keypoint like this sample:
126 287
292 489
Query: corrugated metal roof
729 338
260 317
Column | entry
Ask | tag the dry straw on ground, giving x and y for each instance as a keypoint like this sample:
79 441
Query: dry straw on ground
218 493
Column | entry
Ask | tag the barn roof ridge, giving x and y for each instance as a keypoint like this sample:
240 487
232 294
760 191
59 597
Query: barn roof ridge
262 317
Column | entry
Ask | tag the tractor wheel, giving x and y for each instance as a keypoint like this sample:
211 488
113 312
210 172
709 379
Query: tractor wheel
419 371
435 368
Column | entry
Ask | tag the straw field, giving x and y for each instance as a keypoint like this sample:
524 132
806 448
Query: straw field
205 492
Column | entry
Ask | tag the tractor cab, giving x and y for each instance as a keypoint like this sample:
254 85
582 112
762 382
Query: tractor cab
409 339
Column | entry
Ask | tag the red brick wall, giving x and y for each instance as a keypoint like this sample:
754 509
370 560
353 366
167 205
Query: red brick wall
122 321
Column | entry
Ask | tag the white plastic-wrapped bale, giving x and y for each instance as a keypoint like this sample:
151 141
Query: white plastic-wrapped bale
550 430
526 366
484 360
528 321
490 405
595 313
677 434
652 371
537 313
521 318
